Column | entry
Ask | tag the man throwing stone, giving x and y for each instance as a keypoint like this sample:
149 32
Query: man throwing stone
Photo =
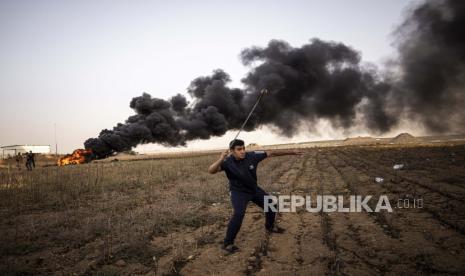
241 169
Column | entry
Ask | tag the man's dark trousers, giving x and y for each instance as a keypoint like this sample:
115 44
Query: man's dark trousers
239 202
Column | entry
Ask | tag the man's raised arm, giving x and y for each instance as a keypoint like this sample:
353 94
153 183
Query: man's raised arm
216 166
272 153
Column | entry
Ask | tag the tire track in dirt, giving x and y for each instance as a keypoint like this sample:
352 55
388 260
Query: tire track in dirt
316 248
258 257
423 244
255 260
300 250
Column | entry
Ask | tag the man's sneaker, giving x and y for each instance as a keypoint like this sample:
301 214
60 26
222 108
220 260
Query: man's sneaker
276 229
230 248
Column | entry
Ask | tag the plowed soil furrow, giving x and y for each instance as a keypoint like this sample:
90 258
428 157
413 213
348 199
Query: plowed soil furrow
423 243
451 186
443 207
353 235
430 160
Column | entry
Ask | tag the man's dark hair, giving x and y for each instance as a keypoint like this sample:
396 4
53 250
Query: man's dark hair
235 142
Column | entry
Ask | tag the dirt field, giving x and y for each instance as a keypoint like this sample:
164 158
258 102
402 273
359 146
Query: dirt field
169 216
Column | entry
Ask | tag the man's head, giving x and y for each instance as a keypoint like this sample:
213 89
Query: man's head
237 148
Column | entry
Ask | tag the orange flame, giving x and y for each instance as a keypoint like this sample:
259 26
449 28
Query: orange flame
79 156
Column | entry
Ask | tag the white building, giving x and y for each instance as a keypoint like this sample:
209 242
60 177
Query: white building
15 149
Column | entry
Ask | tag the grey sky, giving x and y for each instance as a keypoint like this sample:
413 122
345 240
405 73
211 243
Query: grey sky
79 63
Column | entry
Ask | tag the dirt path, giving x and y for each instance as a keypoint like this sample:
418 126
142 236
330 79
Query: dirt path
301 249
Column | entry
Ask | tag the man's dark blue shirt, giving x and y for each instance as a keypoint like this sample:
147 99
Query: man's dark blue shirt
242 174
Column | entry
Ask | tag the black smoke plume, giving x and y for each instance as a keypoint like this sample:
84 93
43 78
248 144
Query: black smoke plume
431 44
319 80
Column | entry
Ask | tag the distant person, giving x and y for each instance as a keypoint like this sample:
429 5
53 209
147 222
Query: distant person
241 169
19 160
30 162
33 159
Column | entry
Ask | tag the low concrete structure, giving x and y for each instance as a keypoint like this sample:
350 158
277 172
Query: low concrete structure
15 149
